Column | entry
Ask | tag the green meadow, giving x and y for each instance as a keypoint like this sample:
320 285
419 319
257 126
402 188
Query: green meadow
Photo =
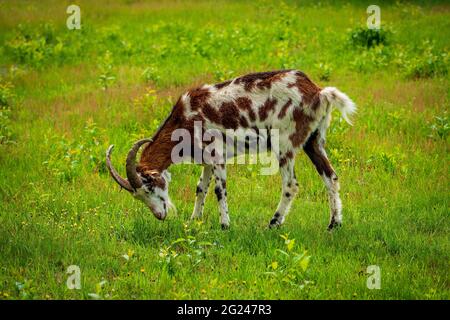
66 95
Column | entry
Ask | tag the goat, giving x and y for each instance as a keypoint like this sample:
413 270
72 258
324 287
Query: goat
286 100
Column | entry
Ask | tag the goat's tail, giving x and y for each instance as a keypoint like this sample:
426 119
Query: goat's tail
340 100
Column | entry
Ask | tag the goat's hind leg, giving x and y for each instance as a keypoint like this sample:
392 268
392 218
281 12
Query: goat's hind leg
220 190
315 149
202 190
289 188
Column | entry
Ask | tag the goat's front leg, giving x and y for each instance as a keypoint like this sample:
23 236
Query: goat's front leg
202 190
315 149
220 175
289 188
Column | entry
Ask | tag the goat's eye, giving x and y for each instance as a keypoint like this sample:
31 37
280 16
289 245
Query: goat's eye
161 198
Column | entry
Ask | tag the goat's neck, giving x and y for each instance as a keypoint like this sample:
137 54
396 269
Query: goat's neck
157 155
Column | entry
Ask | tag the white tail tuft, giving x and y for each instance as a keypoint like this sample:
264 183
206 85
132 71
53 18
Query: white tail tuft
340 100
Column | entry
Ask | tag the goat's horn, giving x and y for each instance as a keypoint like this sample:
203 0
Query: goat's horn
121 181
132 175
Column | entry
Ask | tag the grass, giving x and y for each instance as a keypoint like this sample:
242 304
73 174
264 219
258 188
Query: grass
66 95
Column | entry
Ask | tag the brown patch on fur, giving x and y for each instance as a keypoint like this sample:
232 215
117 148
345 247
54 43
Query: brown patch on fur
246 105
198 97
227 115
309 90
289 154
312 148
268 106
243 121
211 113
283 110
222 84
230 115
156 156
189 123
302 129
261 80
267 82
315 102
284 159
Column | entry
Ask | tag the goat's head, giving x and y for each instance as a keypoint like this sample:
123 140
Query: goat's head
151 187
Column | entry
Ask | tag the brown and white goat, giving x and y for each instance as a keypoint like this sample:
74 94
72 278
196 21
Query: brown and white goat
285 100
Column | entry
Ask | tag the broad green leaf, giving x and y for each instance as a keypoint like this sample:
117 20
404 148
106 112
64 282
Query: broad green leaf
290 244
304 262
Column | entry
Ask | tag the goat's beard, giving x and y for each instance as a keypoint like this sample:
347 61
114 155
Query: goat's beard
171 207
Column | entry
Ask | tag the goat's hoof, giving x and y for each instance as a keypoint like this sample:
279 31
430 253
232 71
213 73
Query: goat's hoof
274 223
334 225
225 226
